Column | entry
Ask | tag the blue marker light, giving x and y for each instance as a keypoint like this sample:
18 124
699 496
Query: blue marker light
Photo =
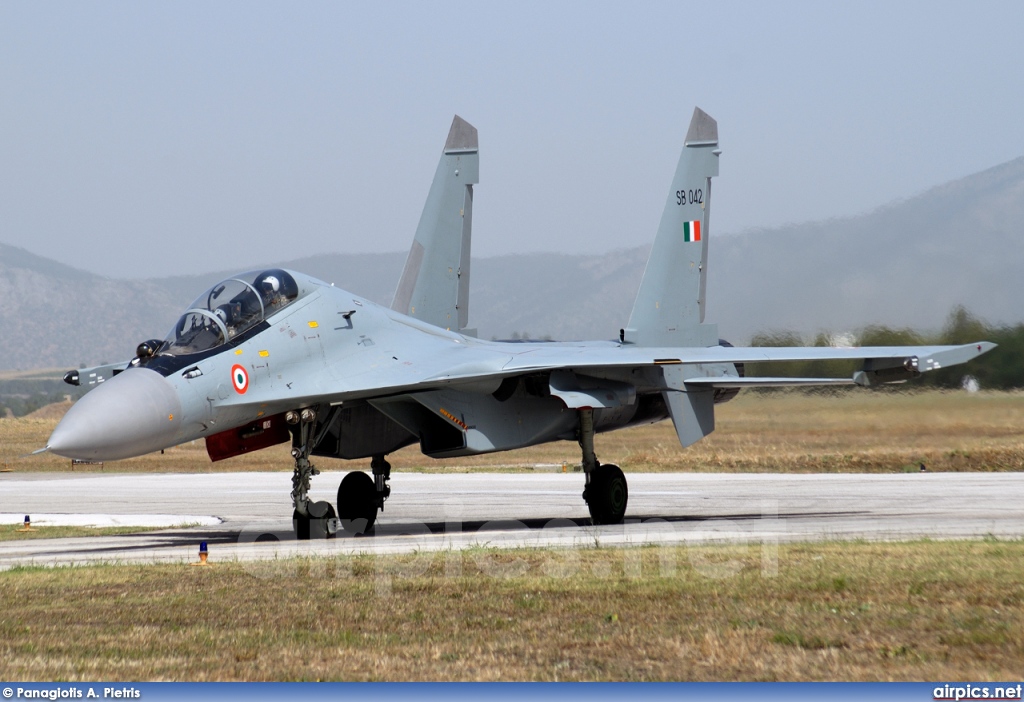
204 553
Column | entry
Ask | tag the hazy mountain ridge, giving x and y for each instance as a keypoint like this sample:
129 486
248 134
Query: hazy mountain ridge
57 315
904 264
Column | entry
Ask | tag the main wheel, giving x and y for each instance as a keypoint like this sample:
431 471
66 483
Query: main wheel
606 494
357 503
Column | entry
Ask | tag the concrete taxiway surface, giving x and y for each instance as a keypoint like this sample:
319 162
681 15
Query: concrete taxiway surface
247 516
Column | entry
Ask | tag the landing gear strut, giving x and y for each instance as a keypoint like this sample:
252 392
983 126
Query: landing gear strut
360 496
606 492
309 519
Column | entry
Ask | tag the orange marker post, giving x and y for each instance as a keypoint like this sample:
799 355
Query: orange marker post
204 553
28 525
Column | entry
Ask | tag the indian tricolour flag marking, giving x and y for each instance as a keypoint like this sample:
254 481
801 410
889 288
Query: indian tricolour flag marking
691 230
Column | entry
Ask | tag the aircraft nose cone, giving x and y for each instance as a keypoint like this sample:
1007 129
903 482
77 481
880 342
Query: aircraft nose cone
135 412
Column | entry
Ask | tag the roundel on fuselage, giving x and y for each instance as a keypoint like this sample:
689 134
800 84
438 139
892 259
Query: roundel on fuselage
239 379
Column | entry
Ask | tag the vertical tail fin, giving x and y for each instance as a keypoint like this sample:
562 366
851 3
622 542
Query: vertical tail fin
434 286
669 308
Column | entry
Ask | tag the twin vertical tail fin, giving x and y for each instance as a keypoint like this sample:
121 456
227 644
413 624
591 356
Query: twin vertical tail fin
669 308
434 287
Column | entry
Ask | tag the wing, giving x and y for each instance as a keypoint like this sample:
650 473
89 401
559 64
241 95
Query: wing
601 375
881 363
471 363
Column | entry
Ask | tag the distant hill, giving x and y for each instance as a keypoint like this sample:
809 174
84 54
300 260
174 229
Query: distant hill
52 411
905 264
55 315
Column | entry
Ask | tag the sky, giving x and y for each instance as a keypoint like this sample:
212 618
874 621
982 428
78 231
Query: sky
157 138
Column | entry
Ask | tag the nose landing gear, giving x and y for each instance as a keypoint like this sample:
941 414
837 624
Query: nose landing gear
359 495
309 519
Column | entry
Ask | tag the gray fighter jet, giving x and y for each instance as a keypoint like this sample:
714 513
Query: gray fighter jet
271 356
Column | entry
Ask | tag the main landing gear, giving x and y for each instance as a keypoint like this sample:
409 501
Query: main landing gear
606 491
359 495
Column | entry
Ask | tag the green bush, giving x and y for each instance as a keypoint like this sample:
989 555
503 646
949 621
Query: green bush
1000 369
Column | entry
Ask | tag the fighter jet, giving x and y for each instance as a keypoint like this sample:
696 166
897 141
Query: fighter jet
272 356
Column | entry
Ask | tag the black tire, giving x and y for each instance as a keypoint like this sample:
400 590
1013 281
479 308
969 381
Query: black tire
300 524
357 503
320 513
606 495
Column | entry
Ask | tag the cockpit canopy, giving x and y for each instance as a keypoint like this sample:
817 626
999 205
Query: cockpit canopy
229 309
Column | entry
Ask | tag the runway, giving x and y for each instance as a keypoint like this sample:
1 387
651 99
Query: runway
247 516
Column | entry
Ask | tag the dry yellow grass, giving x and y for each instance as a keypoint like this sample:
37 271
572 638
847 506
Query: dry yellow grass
776 432
14 532
922 611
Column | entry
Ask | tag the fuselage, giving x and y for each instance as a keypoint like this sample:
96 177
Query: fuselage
325 348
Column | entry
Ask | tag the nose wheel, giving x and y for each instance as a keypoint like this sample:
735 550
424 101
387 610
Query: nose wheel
359 495
357 506
317 523
310 520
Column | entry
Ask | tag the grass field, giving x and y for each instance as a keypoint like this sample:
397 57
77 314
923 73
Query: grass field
757 432
9 532
917 611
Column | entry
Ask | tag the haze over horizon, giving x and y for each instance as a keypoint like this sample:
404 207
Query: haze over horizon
158 139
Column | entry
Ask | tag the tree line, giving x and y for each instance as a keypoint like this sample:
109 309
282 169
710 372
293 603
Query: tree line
999 369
